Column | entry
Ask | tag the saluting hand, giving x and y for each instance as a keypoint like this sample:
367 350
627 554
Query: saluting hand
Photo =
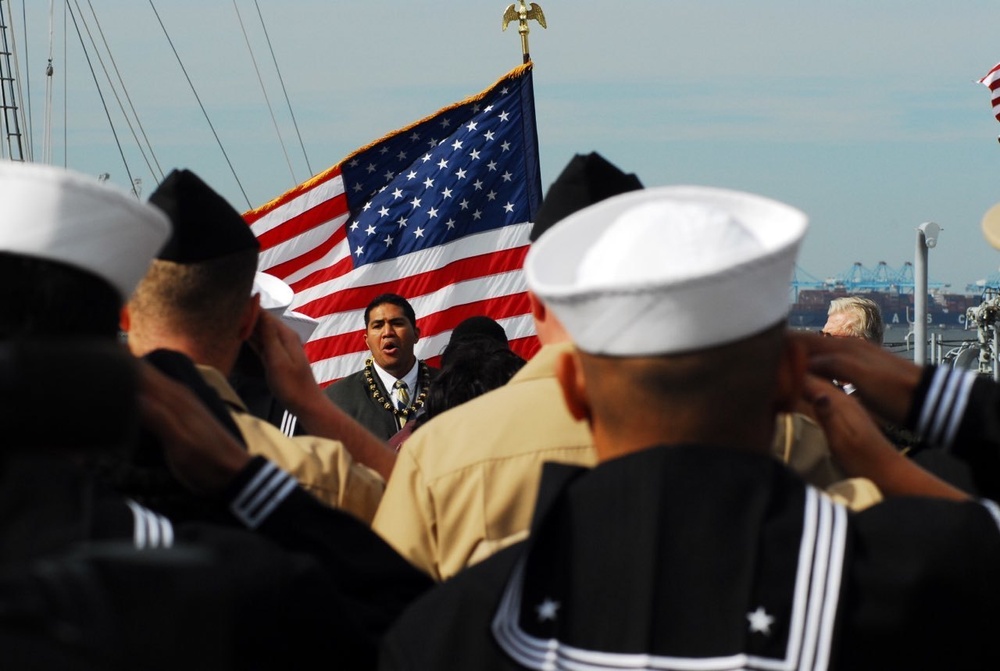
289 374
885 383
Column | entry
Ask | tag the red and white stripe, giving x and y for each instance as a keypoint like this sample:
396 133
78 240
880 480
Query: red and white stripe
992 81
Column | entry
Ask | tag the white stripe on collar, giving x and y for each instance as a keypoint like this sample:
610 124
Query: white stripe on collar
810 638
149 530
945 404
265 491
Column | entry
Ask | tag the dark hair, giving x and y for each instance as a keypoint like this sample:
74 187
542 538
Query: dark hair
479 365
394 299
43 298
478 327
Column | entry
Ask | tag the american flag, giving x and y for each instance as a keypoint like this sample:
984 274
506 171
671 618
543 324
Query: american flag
992 81
438 212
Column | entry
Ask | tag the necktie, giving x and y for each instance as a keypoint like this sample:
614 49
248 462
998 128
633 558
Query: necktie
402 394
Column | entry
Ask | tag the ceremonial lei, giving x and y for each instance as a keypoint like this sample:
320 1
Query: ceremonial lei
423 380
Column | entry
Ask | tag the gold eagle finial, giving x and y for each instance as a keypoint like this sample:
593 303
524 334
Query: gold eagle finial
522 15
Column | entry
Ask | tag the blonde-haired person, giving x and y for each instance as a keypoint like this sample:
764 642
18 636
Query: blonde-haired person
855 317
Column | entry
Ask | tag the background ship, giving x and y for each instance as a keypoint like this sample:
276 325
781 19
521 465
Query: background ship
891 288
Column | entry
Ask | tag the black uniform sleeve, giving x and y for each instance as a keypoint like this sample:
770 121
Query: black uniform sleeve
365 568
922 587
959 412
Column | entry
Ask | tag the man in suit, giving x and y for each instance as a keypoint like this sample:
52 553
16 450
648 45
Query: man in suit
391 388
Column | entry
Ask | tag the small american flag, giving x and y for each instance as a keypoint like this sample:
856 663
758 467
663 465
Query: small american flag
438 212
992 81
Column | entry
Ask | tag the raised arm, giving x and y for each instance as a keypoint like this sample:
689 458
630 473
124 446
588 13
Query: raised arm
291 380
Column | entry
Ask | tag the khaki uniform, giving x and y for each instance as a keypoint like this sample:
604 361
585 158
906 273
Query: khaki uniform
323 467
464 484
801 443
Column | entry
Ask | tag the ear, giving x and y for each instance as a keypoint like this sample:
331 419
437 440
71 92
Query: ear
569 372
791 375
250 316
537 307
124 319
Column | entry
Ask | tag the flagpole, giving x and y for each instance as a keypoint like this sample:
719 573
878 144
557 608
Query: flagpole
522 15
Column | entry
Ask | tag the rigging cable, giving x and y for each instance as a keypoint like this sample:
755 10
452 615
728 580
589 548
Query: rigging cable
100 93
65 85
114 89
158 173
203 111
29 139
47 120
283 89
263 90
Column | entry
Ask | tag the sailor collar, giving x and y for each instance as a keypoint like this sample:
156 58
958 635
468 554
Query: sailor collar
618 573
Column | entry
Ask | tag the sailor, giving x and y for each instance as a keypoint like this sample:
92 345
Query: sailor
391 388
71 252
306 581
196 299
688 546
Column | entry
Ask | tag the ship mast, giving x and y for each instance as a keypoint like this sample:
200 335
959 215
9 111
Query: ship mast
11 116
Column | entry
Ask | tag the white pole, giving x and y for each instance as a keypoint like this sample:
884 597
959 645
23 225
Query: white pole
926 238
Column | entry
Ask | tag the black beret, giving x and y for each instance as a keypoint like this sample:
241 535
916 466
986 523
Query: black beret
205 226
584 181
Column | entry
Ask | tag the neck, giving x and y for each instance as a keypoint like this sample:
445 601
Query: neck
143 341
399 371
680 427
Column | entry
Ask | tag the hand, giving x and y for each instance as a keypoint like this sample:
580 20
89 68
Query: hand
289 374
862 450
290 378
199 450
885 383
855 439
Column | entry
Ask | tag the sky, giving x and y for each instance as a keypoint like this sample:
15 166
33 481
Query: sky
865 115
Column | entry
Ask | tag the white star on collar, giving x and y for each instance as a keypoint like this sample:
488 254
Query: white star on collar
547 610
760 621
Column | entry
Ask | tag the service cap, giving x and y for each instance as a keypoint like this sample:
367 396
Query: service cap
60 215
668 270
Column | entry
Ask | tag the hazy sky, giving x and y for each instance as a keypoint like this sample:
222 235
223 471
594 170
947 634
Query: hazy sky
866 115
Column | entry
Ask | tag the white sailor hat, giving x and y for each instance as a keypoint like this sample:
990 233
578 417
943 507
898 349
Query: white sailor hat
59 215
668 270
276 297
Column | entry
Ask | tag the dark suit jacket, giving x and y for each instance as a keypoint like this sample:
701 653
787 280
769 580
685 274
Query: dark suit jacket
353 396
